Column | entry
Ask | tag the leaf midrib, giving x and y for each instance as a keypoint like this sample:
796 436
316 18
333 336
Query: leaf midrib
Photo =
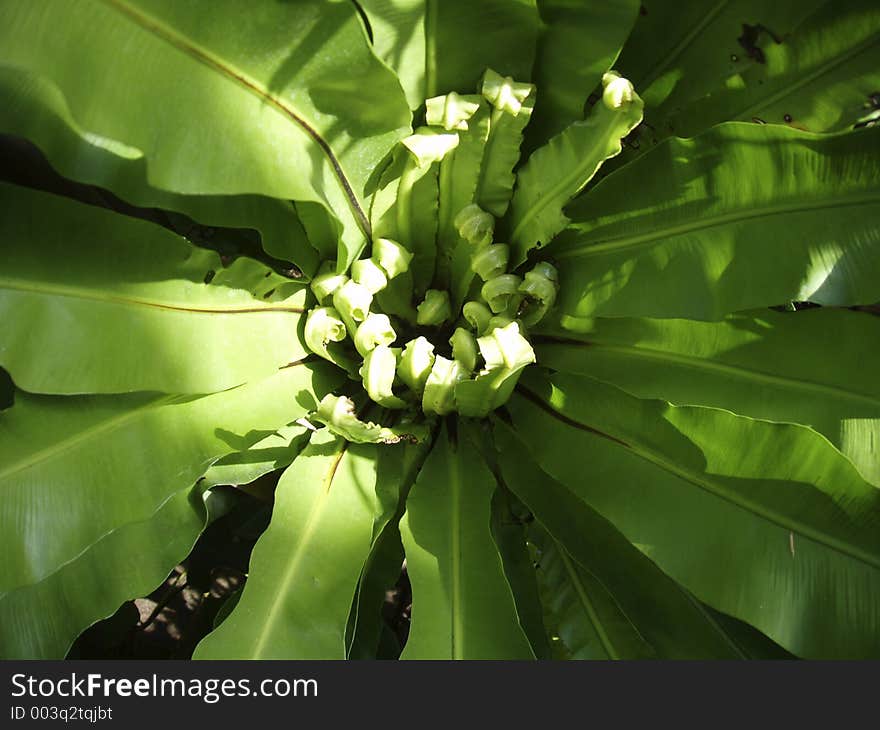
701 609
622 242
559 190
231 73
305 538
100 429
586 603
716 490
724 368
75 292
680 47
804 80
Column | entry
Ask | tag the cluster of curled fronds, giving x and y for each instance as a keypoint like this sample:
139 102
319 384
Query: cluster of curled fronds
436 322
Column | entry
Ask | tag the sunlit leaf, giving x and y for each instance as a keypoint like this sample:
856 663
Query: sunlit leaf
766 365
775 504
462 605
742 216
278 97
94 302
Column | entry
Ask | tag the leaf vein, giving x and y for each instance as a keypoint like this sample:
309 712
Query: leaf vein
623 242
172 37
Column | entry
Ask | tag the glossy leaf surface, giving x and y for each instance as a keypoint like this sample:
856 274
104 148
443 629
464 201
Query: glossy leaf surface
438 46
36 109
604 597
465 609
578 43
94 302
556 172
814 367
820 79
809 65
276 450
281 113
681 51
776 504
306 566
740 217
125 563
74 469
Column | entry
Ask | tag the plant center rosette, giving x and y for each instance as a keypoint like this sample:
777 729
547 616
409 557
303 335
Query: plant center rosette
435 320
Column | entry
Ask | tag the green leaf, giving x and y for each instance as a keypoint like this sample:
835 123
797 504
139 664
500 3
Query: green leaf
470 37
396 472
605 597
329 506
790 520
459 175
811 65
34 108
95 302
682 50
500 156
819 79
510 536
438 46
578 43
462 605
405 210
381 571
228 605
584 615
276 450
556 172
747 638
766 365
398 31
76 468
741 217
41 620
281 108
